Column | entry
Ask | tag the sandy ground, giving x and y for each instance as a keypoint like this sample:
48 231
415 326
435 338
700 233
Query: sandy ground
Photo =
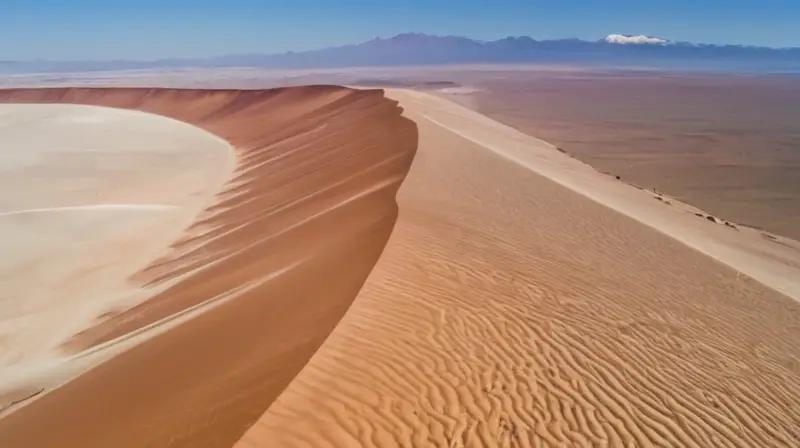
522 299
250 290
508 310
726 144
723 143
89 196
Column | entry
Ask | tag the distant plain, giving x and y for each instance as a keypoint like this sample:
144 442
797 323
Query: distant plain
728 144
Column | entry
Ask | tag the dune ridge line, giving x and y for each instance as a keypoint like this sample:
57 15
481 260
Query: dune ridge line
508 310
312 197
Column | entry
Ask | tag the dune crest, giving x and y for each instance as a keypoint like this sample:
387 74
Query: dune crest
522 298
253 287
510 310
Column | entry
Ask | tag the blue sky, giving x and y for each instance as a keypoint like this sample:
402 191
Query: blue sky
147 29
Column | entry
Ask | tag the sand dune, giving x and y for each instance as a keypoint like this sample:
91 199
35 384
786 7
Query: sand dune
281 253
724 143
88 196
508 310
522 299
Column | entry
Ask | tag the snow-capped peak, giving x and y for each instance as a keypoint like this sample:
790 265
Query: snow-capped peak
625 39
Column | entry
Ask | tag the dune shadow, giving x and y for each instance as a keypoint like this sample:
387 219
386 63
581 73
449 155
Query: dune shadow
275 261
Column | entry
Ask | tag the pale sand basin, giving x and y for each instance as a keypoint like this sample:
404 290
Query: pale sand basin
88 197
508 310
246 294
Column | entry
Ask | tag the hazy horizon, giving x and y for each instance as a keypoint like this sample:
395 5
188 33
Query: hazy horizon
148 30
385 37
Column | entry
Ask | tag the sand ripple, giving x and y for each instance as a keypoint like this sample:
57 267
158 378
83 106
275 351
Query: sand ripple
506 310
510 311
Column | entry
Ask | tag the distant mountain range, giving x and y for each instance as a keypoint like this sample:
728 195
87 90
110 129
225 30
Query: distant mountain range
422 49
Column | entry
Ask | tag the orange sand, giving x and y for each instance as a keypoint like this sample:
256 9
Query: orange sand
523 299
292 237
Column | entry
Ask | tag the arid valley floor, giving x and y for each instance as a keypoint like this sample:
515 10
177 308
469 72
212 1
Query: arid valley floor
388 266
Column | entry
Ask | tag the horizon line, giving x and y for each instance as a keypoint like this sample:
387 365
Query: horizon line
408 33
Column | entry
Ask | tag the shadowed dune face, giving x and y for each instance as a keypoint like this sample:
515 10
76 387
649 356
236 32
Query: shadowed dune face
282 252
508 311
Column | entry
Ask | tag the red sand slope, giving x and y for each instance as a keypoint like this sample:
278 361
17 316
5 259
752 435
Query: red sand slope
294 235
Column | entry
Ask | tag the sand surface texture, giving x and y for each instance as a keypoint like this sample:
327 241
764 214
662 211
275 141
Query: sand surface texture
518 298
88 196
728 144
266 269
512 310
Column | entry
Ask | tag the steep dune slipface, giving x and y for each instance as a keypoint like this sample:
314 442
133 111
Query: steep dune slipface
275 261
508 310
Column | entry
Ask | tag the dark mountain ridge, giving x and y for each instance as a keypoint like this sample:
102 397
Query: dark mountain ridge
424 49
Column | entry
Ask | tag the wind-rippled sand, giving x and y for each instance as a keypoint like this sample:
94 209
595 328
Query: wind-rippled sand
508 310
521 298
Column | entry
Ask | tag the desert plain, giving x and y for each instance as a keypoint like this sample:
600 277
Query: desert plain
333 266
